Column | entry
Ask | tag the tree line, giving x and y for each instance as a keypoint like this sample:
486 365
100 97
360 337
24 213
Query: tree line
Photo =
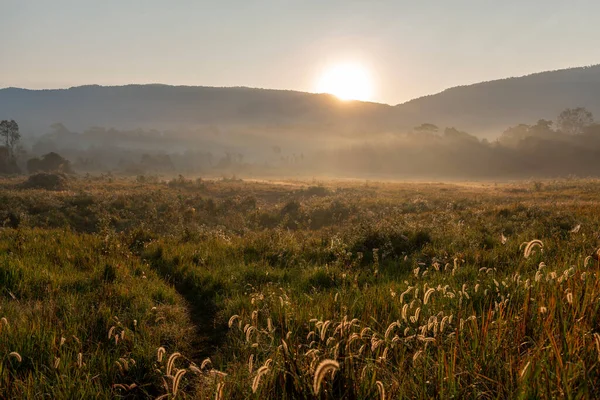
568 145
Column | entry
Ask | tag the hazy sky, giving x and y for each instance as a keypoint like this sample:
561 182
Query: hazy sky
411 48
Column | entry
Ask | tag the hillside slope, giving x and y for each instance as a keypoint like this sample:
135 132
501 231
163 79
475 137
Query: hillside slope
484 109
166 107
490 107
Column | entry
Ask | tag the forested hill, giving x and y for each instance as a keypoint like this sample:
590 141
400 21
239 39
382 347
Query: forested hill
483 109
489 107
164 107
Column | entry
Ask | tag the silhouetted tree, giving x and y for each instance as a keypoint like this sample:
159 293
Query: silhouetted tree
455 134
514 135
429 128
543 127
8 164
9 132
573 121
51 162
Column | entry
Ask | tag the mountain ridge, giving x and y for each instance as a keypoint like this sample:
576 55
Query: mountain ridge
484 109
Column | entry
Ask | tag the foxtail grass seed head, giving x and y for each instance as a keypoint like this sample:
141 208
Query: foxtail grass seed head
524 370
177 380
219 392
530 247
364 332
259 373
417 355
160 352
249 332
124 363
206 363
232 320
427 295
415 317
195 369
171 362
380 390
325 367
16 356
389 330
217 374
120 367
404 312
570 298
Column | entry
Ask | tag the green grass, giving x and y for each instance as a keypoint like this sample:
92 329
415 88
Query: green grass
409 287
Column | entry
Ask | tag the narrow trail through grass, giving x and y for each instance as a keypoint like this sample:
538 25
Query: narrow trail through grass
199 295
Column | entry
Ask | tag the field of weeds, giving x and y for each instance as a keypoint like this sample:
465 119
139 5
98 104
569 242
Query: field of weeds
114 288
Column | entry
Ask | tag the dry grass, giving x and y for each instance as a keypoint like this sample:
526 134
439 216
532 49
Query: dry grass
353 290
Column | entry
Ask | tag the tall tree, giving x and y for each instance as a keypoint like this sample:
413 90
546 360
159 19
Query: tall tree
427 128
573 121
9 132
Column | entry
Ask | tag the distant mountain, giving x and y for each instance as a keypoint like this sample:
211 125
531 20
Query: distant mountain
164 107
483 109
487 108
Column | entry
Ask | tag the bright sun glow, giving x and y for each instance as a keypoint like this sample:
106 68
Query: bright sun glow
347 82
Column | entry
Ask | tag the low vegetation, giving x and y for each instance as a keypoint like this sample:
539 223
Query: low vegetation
114 288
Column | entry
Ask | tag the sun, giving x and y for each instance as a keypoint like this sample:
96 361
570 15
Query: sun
347 81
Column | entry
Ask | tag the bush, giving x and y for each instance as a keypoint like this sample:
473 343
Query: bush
318 191
46 181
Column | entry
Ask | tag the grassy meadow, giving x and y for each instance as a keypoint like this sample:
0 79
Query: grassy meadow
141 288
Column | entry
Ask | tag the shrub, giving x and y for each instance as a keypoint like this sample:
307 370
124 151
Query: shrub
46 181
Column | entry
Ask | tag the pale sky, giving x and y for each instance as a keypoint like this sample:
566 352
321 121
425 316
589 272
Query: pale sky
410 48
